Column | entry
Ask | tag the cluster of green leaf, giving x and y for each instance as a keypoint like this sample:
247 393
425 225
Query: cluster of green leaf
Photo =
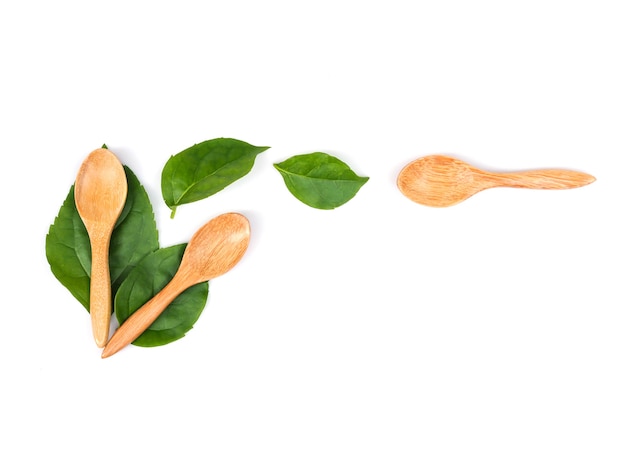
139 267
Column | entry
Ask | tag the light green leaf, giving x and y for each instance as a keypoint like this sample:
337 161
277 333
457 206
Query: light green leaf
320 180
204 169
68 250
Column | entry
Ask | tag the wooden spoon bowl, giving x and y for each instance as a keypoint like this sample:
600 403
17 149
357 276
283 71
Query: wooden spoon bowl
441 181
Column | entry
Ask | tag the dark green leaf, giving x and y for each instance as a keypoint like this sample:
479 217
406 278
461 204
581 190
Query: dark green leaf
204 169
320 180
145 281
69 252
135 234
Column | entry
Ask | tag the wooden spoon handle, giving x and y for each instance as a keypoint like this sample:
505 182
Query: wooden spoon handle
542 179
139 321
100 291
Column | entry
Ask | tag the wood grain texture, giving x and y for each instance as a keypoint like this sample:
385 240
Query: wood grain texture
212 251
442 181
100 193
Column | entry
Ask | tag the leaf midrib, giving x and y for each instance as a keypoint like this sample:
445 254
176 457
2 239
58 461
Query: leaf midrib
290 173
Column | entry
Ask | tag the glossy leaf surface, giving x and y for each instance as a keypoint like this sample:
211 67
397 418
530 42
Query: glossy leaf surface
320 180
68 250
145 281
204 169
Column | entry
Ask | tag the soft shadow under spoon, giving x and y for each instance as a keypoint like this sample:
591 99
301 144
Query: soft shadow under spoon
100 193
212 251
441 181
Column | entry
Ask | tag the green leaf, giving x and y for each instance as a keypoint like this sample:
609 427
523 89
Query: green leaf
147 278
320 180
68 250
204 169
135 234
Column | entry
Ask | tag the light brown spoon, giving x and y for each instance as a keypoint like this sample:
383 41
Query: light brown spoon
212 251
100 193
441 181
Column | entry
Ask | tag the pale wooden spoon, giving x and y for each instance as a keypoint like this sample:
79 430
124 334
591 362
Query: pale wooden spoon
100 193
212 251
441 181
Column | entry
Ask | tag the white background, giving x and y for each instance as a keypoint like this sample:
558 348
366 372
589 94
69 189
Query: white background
380 335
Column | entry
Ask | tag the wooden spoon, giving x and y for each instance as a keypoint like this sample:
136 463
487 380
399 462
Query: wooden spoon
441 181
212 251
100 193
